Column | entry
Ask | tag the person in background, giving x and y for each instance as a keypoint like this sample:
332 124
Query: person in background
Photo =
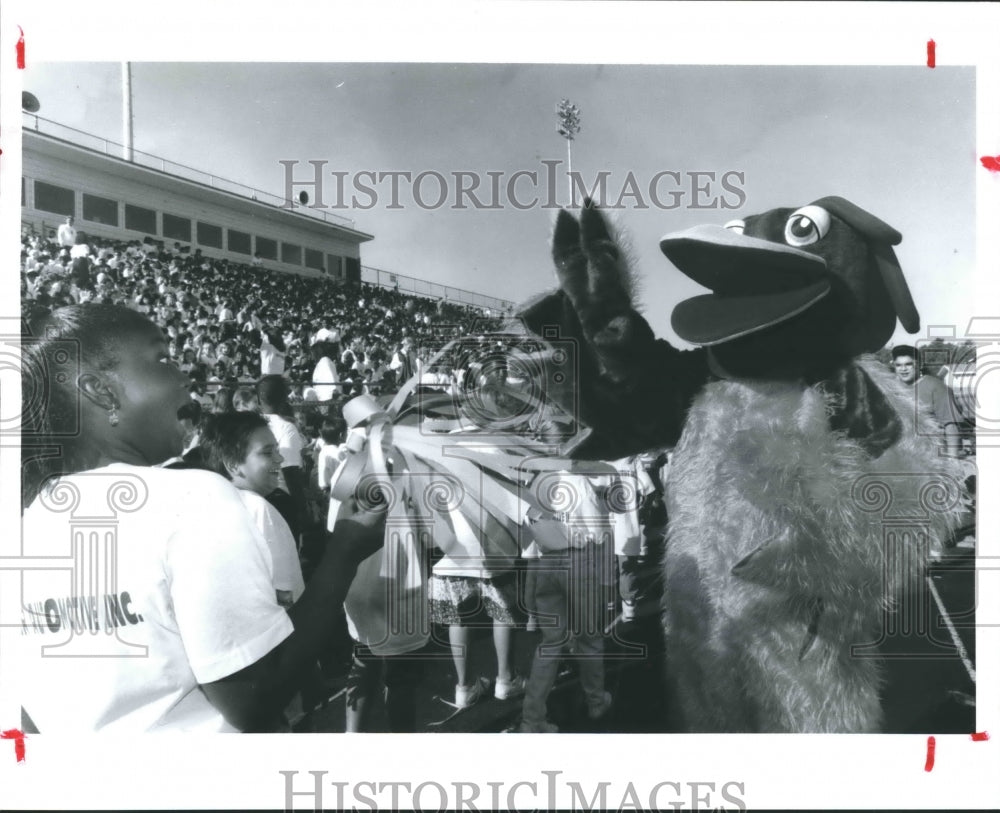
330 451
461 586
66 234
191 418
272 352
272 395
570 590
80 247
245 400
188 361
324 374
932 394
206 355
222 403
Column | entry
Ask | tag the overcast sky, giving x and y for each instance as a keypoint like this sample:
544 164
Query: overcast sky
897 141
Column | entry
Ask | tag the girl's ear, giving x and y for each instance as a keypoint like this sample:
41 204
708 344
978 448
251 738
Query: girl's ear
234 471
97 390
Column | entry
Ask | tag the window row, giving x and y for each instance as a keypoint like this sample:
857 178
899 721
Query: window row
61 201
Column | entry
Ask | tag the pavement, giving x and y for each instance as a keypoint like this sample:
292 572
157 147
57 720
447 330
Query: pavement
928 654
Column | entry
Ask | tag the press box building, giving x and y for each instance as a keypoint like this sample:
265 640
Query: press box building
68 172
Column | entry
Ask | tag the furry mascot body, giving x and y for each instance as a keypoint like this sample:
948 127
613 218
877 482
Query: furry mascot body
775 567
773 571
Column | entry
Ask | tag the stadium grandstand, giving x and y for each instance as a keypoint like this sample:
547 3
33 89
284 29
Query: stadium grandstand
68 172
244 283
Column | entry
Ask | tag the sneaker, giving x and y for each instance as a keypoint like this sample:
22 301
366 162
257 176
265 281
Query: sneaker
506 689
543 727
466 696
597 710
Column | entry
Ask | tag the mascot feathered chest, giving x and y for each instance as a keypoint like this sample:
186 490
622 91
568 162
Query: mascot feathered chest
775 572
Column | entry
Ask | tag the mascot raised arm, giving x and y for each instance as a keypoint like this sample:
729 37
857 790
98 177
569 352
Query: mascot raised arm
791 448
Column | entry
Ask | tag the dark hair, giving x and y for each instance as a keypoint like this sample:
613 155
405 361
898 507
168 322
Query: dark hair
226 439
904 350
275 338
223 401
272 391
54 349
190 411
332 430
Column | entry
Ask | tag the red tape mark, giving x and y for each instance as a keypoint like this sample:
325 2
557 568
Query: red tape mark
931 54
18 736
20 49
931 745
981 736
991 162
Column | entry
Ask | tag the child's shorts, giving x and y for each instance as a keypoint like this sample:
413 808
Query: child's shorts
455 599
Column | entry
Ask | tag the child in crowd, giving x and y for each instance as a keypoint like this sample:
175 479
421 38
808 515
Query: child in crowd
639 519
387 618
571 585
242 448
466 580
386 615
330 451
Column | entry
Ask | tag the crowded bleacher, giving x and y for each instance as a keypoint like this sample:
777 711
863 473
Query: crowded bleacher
232 322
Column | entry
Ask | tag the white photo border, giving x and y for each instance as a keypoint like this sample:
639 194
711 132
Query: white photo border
797 771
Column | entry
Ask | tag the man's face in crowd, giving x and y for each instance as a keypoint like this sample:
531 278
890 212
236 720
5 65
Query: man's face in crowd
906 368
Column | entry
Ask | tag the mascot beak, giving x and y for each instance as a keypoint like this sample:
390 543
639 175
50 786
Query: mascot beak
755 283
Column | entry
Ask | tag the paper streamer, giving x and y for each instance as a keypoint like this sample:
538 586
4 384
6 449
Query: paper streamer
475 489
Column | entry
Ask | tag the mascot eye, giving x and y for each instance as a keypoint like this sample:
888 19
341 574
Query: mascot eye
736 225
807 226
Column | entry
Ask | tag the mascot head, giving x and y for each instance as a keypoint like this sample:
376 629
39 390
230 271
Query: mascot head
795 292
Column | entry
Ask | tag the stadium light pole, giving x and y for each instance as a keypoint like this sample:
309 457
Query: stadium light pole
569 125
127 111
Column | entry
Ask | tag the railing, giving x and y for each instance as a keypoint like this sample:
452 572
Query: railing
434 290
32 121
342 388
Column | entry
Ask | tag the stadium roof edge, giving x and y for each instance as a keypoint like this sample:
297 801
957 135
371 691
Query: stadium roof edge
43 143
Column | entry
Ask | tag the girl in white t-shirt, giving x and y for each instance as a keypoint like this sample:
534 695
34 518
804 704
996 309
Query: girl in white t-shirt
179 578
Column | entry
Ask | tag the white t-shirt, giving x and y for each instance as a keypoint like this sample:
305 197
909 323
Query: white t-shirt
576 512
272 360
629 490
289 443
66 235
288 581
324 375
324 334
328 458
167 585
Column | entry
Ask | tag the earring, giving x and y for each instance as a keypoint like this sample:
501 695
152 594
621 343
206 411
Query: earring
113 416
